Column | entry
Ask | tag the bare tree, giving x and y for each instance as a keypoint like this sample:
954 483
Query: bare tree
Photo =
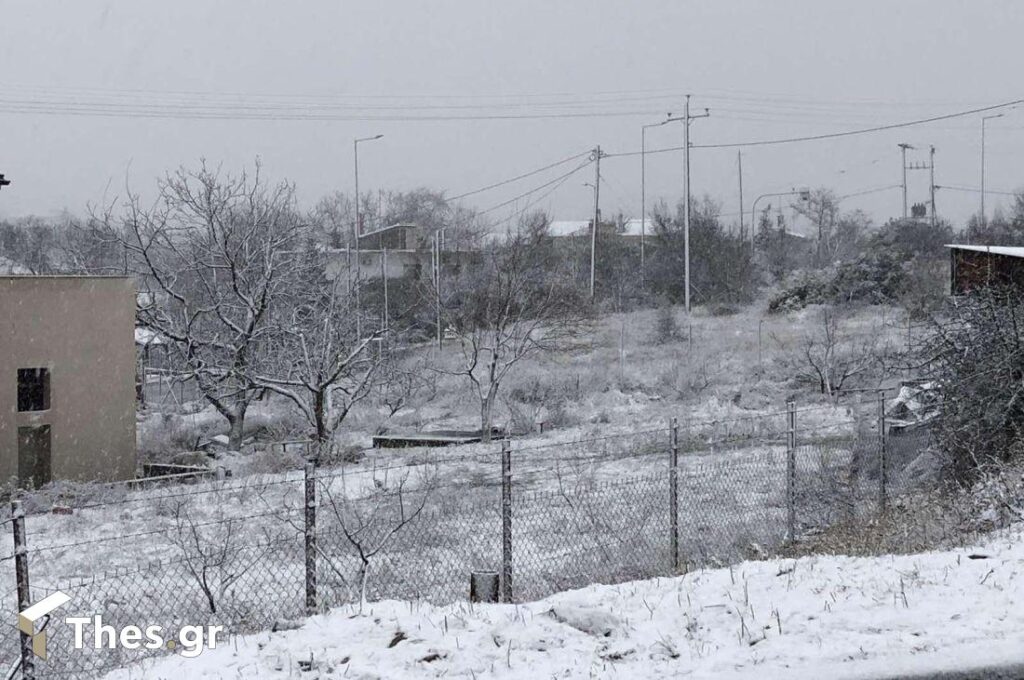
822 209
216 554
317 361
518 303
835 354
212 256
371 524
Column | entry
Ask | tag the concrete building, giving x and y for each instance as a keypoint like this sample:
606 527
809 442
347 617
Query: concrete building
401 250
67 363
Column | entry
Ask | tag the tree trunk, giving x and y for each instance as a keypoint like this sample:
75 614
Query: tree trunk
485 419
237 422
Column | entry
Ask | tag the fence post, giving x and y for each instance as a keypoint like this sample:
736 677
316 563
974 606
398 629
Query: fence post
310 494
506 521
791 470
28 666
883 472
673 493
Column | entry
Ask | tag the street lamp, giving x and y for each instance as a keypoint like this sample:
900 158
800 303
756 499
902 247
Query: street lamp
983 119
355 154
643 192
358 226
805 195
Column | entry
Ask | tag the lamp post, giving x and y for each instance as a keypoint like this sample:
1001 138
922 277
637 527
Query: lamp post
804 194
643 194
357 229
983 119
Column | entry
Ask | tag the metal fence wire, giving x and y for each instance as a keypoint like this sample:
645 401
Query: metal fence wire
253 556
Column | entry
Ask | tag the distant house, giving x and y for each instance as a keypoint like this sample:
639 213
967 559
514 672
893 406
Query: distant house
976 267
67 362
634 228
629 229
569 228
397 237
400 250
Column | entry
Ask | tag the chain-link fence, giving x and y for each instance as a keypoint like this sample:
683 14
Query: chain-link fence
250 555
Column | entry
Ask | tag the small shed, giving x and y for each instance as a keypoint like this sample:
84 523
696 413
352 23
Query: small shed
975 267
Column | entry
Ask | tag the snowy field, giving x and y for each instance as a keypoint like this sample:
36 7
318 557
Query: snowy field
812 617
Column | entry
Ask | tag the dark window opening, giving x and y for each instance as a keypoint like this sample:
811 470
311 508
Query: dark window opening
33 389
34 456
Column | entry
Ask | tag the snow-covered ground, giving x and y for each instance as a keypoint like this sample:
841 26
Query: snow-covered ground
812 617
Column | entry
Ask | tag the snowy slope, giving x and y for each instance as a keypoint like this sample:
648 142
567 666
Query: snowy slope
808 618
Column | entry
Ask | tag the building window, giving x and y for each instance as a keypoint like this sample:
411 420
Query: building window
33 389
34 456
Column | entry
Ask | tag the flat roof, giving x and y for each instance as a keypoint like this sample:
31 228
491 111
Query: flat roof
1010 251
405 225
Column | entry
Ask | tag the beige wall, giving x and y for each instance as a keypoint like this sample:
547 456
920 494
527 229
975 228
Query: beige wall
82 329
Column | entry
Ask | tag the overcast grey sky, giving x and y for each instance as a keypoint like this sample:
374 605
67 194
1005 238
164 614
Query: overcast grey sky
765 69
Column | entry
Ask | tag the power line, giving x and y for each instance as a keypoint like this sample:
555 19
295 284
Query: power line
978 191
862 131
536 189
536 201
518 177
832 135
165 113
865 192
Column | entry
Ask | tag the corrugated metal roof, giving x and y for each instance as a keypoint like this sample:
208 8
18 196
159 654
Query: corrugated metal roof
1010 251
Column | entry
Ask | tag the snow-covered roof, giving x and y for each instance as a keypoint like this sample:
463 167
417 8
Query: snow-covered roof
1010 251
632 227
568 227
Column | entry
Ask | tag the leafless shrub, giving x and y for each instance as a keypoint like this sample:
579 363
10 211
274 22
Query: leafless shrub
666 326
975 353
516 304
369 525
835 356
216 555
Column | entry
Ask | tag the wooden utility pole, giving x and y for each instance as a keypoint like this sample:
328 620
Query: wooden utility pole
903 156
437 286
384 283
597 217
739 171
931 183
